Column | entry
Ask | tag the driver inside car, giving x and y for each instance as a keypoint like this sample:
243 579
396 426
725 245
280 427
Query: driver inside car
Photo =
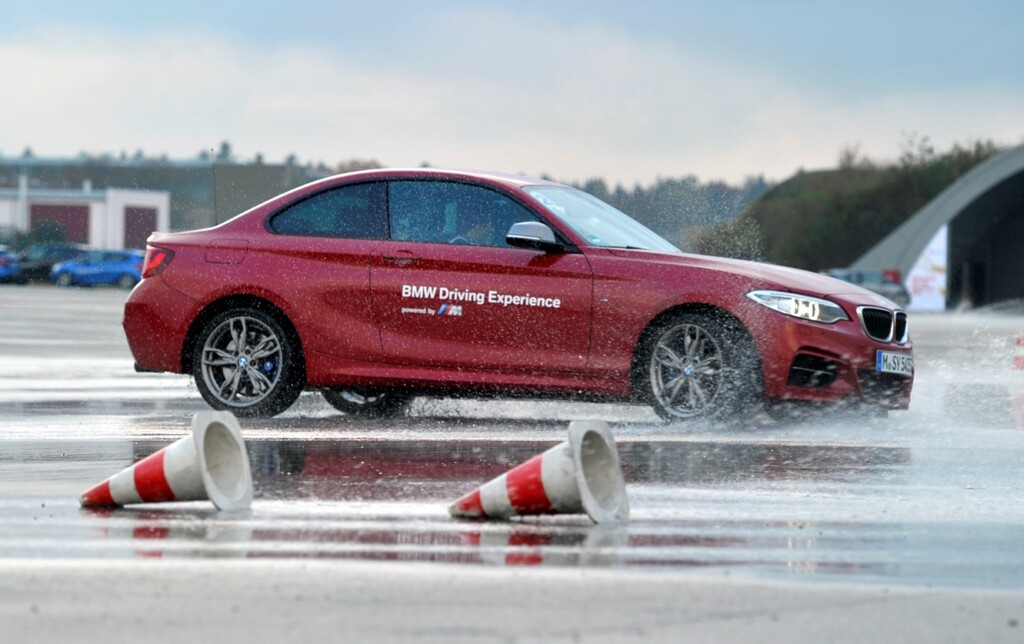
475 229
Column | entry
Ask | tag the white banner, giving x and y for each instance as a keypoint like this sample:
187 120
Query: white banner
927 280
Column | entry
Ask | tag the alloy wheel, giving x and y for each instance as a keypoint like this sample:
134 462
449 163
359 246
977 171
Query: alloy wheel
241 361
686 371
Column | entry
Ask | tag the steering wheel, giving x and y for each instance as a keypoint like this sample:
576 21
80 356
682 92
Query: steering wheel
458 239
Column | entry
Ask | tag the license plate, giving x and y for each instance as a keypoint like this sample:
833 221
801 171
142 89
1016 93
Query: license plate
890 362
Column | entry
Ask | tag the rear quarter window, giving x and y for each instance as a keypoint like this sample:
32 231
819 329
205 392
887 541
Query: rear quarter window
348 212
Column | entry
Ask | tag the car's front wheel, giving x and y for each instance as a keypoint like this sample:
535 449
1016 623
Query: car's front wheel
246 362
369 404
698 366
65 280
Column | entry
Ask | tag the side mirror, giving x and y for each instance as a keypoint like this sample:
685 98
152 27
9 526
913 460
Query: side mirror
535 235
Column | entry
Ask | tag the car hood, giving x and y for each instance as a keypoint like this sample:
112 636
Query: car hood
766 276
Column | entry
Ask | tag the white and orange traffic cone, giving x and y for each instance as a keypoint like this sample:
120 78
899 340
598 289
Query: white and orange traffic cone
581 475
210 463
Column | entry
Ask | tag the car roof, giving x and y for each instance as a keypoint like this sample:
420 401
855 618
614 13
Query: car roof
511 181
59 246
508 179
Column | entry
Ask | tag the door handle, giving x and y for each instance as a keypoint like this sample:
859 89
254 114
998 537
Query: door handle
401 258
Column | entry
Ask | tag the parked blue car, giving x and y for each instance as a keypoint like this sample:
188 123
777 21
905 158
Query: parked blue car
122 268
10 271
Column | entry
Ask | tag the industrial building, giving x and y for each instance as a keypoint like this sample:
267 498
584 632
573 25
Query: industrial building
109 218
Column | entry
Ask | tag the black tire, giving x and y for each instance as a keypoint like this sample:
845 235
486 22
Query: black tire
65 280
698 366
222 364
126 282
381 403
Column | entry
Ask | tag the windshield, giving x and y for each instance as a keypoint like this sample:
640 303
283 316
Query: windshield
597 222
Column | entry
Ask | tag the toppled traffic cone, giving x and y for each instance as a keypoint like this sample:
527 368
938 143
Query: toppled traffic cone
210 463
581 475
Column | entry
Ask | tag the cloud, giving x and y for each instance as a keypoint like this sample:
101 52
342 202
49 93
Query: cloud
480 89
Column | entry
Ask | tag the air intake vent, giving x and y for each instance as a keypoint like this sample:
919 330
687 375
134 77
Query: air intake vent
812 371
877 323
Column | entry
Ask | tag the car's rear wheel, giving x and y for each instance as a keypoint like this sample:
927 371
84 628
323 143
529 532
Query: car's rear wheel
246 362
65 280
698 366
370 404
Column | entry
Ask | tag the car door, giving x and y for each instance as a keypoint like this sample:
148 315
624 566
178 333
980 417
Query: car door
449 292
111 266
317 257
89 268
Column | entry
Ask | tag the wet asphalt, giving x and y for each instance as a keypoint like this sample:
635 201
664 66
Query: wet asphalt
930 498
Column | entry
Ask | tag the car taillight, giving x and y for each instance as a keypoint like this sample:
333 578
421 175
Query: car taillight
156 261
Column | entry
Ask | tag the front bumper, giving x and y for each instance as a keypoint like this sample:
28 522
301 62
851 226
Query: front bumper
834 363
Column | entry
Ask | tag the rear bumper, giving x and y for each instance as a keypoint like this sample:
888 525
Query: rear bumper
156 321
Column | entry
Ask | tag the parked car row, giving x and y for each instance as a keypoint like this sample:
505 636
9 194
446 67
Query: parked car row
72 265
10 267
37 261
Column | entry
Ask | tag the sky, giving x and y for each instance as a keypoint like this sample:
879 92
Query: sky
625 91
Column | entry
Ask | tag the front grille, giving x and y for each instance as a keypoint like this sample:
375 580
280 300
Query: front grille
877 323
900 329
812 371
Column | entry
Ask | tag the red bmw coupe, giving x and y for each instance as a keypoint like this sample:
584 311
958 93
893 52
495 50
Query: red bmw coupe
377 286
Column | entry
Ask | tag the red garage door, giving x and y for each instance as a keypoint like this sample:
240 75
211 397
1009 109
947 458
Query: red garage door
138 224
73 220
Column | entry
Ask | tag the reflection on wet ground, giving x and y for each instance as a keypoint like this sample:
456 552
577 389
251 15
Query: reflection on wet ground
386 470
754 508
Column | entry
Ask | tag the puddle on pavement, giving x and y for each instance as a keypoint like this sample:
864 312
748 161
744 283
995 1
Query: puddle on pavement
733 508
388 500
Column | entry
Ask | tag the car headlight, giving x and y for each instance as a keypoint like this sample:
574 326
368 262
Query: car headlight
800 306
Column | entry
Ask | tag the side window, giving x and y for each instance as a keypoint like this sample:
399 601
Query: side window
445 212
349 212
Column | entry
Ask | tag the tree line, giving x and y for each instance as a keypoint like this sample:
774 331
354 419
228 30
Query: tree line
678 209
829 218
